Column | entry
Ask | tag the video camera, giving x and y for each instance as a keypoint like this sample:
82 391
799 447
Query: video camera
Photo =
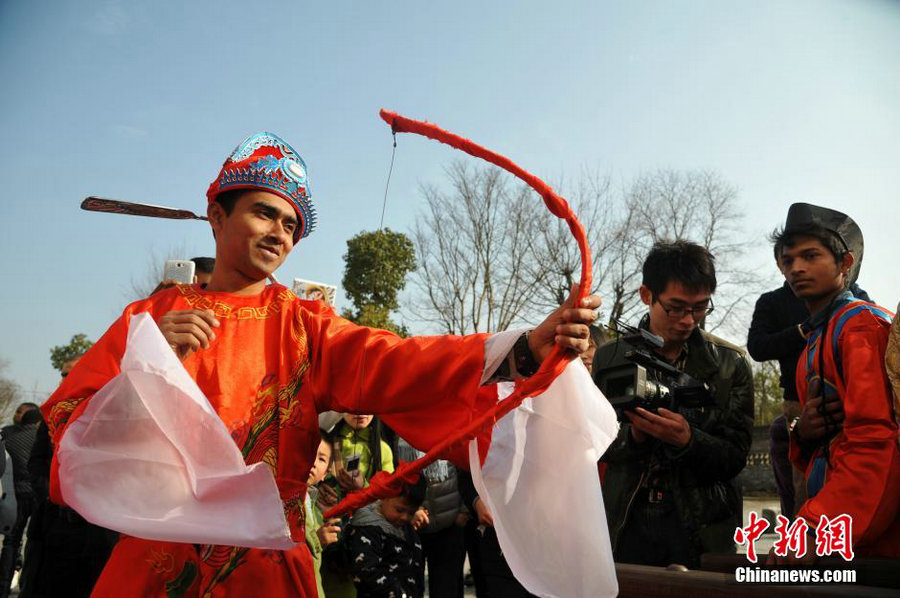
637 377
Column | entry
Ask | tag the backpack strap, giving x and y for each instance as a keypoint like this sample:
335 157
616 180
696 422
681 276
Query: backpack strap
843 315
837 325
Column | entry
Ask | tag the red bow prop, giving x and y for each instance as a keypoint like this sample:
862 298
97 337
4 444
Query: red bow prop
384 485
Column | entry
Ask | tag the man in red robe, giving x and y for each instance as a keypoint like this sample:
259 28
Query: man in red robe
268 362
846 436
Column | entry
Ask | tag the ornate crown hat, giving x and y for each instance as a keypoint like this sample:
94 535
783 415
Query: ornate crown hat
265 161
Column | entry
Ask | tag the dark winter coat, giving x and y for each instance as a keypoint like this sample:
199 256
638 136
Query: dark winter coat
700 477
19 440
774 334
442 498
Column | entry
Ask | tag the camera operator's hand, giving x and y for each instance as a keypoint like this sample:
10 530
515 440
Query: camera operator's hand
636 435
667 426
812 425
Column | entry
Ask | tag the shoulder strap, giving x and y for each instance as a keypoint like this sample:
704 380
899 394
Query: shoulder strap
841 317
837 324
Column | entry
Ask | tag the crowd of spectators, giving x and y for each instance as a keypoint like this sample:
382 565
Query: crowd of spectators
669 480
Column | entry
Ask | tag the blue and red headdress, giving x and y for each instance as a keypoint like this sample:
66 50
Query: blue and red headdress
266 162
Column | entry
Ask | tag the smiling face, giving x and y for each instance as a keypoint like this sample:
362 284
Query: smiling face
254 239
812 270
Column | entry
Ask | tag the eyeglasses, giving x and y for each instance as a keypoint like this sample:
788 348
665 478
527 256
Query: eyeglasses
676 312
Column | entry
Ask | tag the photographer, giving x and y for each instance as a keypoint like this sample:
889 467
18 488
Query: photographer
669 488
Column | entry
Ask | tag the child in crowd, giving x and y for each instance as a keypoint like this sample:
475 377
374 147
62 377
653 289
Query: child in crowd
440 522
386 554
359 453
319 534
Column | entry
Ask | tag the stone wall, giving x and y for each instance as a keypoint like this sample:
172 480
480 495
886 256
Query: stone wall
757 477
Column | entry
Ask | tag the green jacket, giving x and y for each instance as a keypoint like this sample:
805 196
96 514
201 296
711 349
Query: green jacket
356 442
338 583
313 522
701 476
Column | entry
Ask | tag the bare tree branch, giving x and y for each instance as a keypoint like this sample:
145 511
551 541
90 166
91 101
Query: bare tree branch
490 256
10 393
473 244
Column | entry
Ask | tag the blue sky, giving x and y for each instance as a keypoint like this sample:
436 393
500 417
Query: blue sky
790 101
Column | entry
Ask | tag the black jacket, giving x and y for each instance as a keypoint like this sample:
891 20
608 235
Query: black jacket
774 335
19 440
442 497
700 477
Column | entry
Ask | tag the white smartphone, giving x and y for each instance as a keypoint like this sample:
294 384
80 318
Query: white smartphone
180 270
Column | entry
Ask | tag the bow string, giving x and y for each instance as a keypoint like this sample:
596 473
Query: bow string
384 485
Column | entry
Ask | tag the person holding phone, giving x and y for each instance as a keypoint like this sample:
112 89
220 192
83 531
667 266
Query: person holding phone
197 270
359 454
362 450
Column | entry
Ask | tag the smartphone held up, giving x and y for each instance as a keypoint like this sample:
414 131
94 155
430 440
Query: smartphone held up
181 271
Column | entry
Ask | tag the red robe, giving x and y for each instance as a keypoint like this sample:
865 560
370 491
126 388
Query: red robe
861 474
276 362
